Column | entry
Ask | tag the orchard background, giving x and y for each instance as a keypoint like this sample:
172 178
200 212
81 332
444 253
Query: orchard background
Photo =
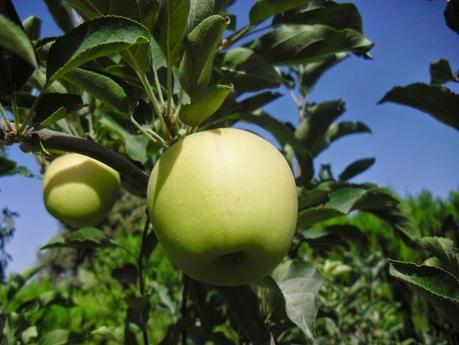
74 297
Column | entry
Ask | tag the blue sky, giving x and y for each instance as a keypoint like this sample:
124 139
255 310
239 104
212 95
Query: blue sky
413 151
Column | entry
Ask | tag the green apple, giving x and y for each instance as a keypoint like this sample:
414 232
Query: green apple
79 190
223 204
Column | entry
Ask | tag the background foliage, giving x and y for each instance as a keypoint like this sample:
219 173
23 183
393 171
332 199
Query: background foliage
127 80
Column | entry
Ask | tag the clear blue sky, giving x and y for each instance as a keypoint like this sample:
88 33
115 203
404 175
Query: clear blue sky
413 151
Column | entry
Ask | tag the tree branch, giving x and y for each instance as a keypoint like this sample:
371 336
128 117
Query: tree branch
243 306
132 176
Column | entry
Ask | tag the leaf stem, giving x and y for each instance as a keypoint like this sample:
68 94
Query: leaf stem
31 114
5 118
151 134
156 106
158 85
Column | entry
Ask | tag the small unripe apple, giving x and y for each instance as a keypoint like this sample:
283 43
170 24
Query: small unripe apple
79 190
223 204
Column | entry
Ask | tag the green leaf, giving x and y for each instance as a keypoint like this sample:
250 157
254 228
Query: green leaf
9 167
13 38
54 106
337 16
32 27
340 130
310 198
452 15
29 334
61 14
89 238
142 11
295 44
300 283
134 145
266 8
319 117
444 250
312 72
333 235
376 201
14 71
248 71
356 168
437 101
199 10
99 37
56 337
441 72
258 101
204 103
200 49
438 286
102 87
126 274
171 27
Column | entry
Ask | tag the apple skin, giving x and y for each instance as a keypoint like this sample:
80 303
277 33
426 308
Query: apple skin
224 206
79 190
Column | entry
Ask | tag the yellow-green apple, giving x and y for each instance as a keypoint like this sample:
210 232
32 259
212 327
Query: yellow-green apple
223 204
79 190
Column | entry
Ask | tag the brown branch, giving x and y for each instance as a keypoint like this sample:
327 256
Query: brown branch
243 307
132 176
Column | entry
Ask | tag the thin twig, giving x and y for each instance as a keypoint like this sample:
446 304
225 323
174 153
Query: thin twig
183 308
5 118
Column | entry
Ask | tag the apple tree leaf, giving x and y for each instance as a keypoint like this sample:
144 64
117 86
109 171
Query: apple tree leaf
83 238
142 11
435 100
295 44
55 337
171 27
356 168
100 86
312 72
99 37
376 201
14 38
452 15
440 287
300 283
14 70
54 106
61 14
335 15
332 235
248 71
134 145
444 250
318 118
199 10
32 27
441 72
200 49
264 9
204 103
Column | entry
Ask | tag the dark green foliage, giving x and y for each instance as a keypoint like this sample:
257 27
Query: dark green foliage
137 76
